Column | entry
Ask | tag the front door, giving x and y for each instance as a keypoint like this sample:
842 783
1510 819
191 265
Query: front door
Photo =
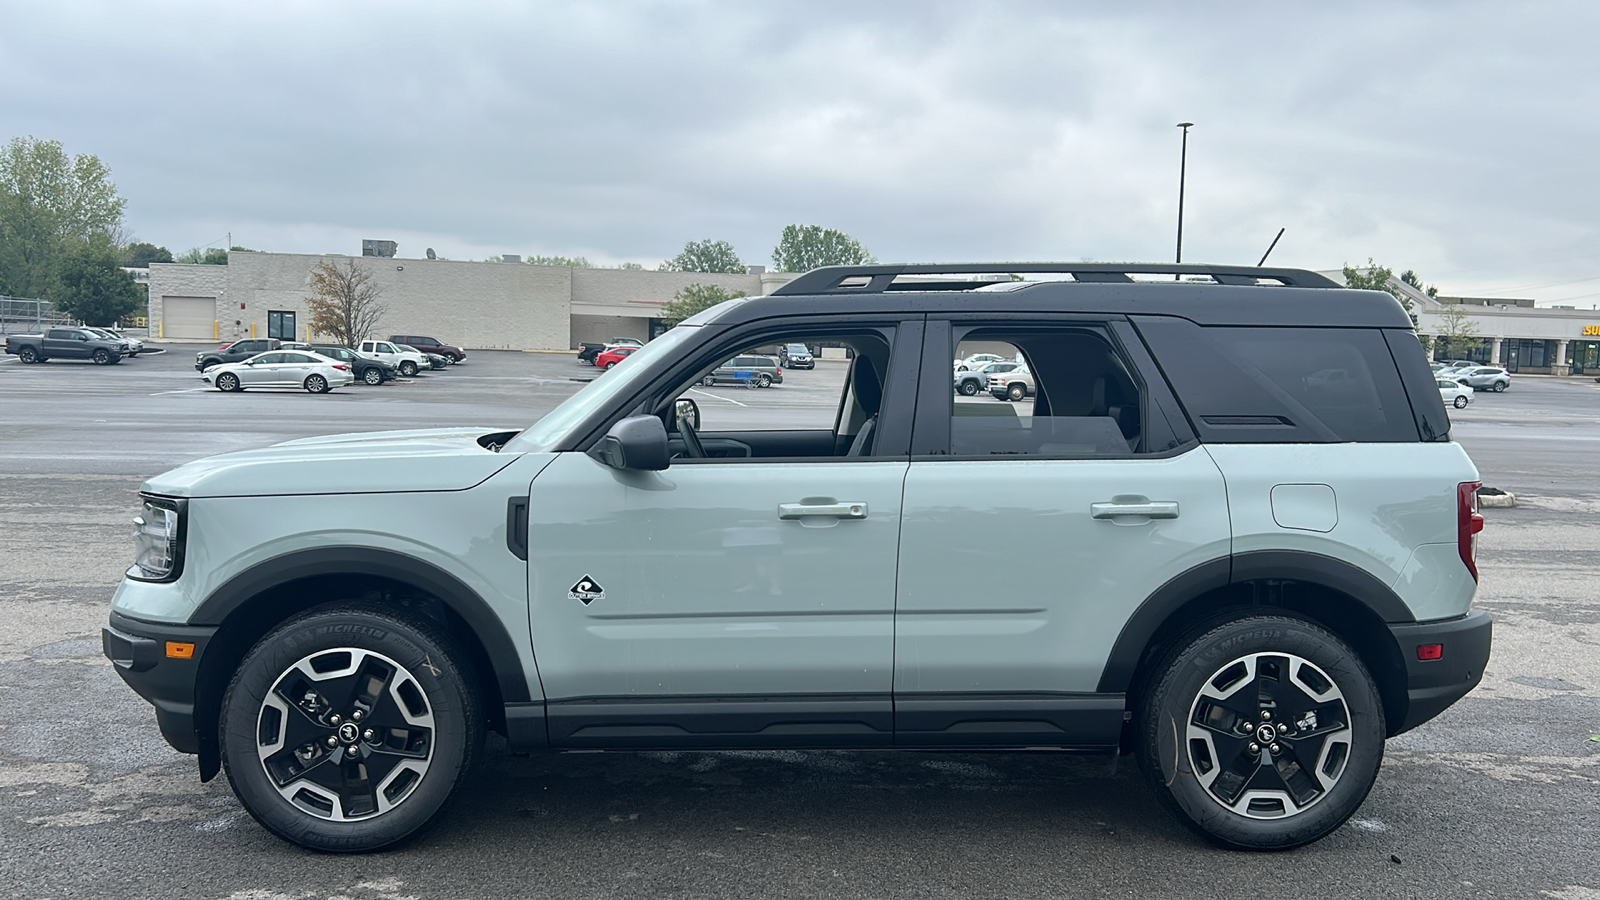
744 594
1033 530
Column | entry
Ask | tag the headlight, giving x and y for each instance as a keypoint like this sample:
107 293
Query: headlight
158 534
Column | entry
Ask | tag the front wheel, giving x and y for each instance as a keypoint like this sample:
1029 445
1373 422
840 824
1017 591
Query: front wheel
228 381
1461 401
316 384
408 368
348 729
969 388
102 357
1261 733
1017 392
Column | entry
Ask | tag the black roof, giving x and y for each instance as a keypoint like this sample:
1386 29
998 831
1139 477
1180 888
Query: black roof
1205 294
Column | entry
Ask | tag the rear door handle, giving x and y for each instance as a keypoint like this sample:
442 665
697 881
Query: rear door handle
847 509
1150 509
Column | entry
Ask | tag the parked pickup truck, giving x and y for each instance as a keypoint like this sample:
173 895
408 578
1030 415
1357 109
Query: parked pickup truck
236 351
1016 384
66 343
588 350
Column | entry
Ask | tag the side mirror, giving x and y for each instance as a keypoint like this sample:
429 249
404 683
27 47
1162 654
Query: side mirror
686 410
637 442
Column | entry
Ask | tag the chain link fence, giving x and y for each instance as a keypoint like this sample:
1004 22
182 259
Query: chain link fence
22 315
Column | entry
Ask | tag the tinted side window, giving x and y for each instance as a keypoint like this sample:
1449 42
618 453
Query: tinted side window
1289 385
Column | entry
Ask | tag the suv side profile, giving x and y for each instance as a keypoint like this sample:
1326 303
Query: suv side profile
430 345
1250 544
235 351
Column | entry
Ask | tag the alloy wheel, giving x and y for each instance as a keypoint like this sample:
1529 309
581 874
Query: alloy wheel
345 734
1268 735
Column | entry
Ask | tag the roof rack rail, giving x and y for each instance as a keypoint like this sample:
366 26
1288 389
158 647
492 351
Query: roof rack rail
877 279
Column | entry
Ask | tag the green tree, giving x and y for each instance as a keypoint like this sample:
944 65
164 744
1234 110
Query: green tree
344 301
91 286
140 255
50 203
1410 277
706 256
204 256
692 299
1458 334
1381 278
802 248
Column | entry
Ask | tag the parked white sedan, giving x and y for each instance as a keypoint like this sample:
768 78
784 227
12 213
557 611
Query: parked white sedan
280 369
1454 392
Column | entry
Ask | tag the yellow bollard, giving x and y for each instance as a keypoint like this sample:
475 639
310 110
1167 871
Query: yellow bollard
252 329
216 329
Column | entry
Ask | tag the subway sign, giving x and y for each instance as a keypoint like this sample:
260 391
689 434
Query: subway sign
1591 331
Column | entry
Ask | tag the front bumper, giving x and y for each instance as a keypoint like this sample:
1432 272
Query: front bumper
1433 685
140 651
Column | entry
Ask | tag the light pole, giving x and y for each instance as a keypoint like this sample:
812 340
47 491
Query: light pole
1183 165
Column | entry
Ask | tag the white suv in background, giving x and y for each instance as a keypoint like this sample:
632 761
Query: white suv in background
407 360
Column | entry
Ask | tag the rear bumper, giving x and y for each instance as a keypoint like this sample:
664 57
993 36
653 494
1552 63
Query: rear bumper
1433 685
140 654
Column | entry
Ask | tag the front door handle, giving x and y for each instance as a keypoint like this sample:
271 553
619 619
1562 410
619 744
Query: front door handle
847 509
1149 509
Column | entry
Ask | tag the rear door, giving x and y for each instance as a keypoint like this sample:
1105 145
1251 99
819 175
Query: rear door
1033 531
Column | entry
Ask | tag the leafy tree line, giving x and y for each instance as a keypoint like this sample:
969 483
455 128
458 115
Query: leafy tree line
1458 334
800 248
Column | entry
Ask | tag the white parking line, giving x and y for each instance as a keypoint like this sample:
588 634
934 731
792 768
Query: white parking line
189 391
717 397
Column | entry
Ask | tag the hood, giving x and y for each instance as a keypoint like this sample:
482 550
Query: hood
435 459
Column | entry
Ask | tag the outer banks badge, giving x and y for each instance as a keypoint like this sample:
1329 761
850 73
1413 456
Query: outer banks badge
587 590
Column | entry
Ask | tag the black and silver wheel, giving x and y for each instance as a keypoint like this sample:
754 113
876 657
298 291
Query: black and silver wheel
408 368
228 381
1017 392
1500 386
969 388
347 730
611 364
102 357
1461 401
707 381
763 380
316 384
1262 733
29 355
373 376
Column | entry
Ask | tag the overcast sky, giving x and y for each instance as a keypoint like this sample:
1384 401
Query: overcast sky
1457 139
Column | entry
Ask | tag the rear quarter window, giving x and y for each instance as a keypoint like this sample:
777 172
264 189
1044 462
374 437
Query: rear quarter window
1284 385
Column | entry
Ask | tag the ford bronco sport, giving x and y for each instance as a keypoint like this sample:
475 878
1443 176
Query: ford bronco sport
1246 572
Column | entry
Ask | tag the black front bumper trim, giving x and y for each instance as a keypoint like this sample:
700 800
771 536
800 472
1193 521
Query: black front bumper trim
138 649
1433 685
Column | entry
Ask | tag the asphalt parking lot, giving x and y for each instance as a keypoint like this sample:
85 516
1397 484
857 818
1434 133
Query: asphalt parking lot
1498 797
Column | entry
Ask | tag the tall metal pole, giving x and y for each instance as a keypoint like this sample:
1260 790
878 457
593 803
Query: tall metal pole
1183 165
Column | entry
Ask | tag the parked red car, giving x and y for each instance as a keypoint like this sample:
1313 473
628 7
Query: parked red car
613 356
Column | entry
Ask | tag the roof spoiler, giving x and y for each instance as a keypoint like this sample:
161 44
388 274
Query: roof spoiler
878 279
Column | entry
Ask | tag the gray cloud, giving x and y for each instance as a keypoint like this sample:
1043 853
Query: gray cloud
1448 137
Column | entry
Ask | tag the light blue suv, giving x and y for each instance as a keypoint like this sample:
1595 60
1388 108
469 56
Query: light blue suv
1227 532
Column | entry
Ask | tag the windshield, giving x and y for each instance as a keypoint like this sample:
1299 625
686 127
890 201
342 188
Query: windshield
548 432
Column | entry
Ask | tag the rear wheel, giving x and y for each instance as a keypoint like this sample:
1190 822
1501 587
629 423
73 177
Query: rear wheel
29 355
373 376
1261 733
316 384
1500 386
763 381
228 381
708 381
348 729
1461 401
102 357
610 364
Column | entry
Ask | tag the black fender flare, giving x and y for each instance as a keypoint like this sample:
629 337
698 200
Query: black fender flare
426 577
1281 565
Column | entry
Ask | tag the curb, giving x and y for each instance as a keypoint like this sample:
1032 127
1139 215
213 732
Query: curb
1494 498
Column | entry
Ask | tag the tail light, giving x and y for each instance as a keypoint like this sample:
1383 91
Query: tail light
1468 523
341 367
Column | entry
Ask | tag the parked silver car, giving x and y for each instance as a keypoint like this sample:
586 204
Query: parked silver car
1483 378
281 369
